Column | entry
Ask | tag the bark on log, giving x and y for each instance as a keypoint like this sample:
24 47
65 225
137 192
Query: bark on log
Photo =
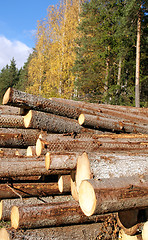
106 108
56 214
64 183
28 190
108 165
61 161
17 98
113 194
67 144
11 121
112 124
21 166
82 231
10 137
12 152
51 122
9 110
7 204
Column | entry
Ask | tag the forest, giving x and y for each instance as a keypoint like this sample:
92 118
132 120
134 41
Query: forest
95 51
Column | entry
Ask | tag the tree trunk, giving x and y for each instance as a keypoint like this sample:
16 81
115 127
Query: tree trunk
11 121
64 183
137 88
67 144
18 167
9 110
82 231
51 122
60 161
99 122
28 190
7 204
17 98
12 137
12 152
56 214
113 194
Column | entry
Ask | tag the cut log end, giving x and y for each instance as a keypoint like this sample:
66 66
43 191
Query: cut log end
145 231
61 184
27 119
6 96
4 235
1 209
87 198
29 151
127 220
81 119
83 170
14 217
47 160
39 147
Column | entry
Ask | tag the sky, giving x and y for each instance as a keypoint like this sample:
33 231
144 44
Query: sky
18 23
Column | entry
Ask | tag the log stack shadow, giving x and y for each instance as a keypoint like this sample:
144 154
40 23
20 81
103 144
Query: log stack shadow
72 170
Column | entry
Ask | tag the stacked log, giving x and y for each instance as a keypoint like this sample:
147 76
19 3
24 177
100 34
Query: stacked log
97 153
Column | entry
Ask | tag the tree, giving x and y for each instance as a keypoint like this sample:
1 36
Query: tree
9 76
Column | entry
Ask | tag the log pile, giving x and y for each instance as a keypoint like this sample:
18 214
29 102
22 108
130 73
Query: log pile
72 170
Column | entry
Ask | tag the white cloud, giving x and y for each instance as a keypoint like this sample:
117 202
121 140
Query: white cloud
10 49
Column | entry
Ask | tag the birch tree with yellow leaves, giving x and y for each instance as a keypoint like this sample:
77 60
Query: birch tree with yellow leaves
49 72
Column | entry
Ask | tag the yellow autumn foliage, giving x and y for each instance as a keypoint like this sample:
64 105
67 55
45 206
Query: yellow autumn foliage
49 72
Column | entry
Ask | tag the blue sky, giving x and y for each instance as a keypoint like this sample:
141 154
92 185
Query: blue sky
18 22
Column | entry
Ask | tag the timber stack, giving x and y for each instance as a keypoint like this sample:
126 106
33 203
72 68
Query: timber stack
72 170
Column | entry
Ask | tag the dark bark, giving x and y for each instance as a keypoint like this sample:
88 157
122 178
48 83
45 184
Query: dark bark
37 189
7 204
83 231
51 122
17 98
112 124
56 214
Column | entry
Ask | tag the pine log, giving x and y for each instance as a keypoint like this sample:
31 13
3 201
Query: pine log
64 183
7 204
36 189
74 192
113 194
31 151
112 124
11 121
51 122
67 144
12 137
12 152
128 221
126 112
17 98
83 170
56 214
82 231
9 110
60 161
26 166
108 165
